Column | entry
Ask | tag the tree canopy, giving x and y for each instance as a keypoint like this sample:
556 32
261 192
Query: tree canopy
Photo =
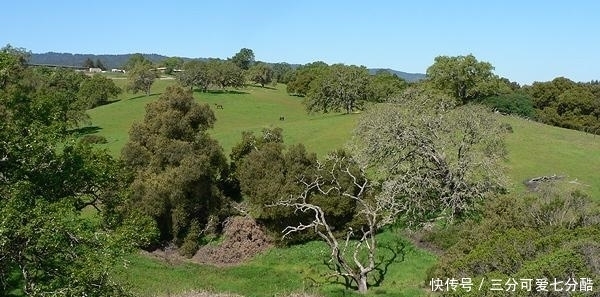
47 179
465 78
341 87
244 59
96 91
140 78
261 74
178 168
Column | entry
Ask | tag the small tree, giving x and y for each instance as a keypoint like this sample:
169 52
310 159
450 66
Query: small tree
140 78
95 91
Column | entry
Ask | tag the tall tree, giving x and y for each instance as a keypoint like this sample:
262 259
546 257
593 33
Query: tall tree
244 58
439 158
342 87
140 78
435 161
226 74
178 168
465 78
260 73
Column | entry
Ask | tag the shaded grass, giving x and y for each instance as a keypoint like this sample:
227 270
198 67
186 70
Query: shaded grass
278 271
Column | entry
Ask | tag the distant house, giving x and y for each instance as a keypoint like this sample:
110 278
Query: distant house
95 70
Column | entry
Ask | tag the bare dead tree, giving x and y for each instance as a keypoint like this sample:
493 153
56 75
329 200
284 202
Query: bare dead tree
354 255
435 160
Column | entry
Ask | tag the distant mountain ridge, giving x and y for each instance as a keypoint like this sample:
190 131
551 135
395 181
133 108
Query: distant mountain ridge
117 61
68 59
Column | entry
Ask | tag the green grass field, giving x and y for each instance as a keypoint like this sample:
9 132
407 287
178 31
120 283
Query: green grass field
275 273
533 150
252 108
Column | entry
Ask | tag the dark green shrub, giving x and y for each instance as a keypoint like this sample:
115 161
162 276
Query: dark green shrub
516 103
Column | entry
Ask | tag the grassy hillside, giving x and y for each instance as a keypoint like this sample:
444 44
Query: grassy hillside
533 150
252 108
536 149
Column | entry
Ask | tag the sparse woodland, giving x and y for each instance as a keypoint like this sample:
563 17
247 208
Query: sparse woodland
426 157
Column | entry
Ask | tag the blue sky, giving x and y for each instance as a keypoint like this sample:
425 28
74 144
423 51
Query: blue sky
525 40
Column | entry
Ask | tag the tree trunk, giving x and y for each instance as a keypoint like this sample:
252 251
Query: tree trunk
362 284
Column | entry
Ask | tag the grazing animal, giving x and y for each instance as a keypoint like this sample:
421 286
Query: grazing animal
219 106
281 118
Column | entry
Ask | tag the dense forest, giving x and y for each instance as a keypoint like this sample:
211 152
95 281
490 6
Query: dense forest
426 156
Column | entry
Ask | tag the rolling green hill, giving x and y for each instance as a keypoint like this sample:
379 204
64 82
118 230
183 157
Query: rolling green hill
534 149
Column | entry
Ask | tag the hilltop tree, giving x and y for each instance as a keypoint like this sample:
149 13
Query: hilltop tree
140 78
178 168
465 78
564 103
260 73
301 79
96 90
244 59
341 87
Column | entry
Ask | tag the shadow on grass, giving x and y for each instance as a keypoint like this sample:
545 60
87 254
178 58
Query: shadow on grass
265 87
108 102
78 132
234 92
143 96
388 253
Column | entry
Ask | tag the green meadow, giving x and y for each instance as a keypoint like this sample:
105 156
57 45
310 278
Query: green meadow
249 109
534 150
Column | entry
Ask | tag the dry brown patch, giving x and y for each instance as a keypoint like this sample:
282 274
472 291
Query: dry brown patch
244 239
